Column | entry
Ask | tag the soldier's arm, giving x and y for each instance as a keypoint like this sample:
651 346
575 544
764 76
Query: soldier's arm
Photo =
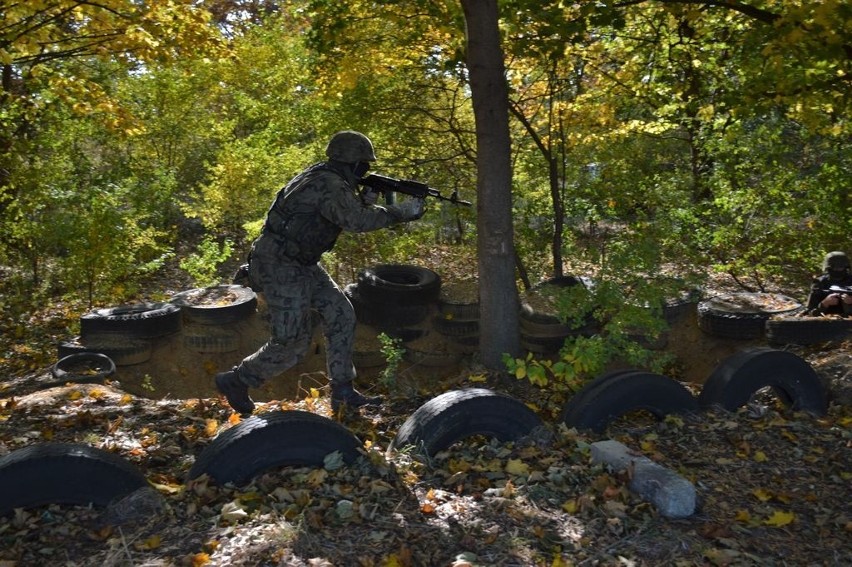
342 206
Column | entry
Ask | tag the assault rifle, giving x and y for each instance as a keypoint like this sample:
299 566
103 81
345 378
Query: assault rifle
388 185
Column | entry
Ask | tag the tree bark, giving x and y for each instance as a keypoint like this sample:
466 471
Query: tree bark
498 294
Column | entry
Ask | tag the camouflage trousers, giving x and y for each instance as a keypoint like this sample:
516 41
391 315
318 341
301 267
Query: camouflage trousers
292 292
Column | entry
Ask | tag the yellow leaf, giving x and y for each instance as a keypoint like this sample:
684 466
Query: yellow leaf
75 395
315 393
478 378
760 457
517 467
210 427
152 542
761 494
126 399
200 559
779 519
570 506
743 516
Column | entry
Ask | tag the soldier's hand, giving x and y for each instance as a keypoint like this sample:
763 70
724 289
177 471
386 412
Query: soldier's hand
370 197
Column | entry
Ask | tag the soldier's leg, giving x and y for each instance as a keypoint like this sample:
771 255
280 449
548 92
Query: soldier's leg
338 319
287 293
287 289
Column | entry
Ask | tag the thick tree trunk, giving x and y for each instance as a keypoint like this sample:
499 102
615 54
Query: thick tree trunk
498 294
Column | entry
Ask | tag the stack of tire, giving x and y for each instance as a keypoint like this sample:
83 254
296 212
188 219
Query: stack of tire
458 316
542 329
394 299
123 333
209 316
743 315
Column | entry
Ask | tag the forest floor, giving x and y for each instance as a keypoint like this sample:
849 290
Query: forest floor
773 488
773 485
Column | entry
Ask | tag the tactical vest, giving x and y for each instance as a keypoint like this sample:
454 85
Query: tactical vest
295 222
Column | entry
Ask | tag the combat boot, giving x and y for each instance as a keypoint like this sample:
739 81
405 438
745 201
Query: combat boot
229 385
346 395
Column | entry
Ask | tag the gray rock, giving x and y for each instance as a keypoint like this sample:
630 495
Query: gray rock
673 495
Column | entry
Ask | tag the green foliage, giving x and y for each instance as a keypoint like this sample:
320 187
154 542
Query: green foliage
203 263
393 352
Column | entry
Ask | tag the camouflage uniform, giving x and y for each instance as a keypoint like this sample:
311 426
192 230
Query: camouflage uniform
303 222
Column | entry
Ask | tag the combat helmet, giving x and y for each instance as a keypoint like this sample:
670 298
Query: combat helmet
835 262
349 146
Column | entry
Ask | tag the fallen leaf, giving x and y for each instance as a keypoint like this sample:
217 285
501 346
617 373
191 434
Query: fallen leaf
779 519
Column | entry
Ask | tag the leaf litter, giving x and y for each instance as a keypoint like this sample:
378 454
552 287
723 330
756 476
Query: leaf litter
773 488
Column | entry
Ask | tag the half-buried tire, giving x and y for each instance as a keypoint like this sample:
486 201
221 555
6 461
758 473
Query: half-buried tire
615 394
459 414
741 375
273 439
65 473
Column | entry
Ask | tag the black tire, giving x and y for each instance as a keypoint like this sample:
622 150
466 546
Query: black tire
232 303
64 473
459 301
613 395
456 328
138 320
399 284
273 439
459 414
743 315
458 310
738 377
541 345
123 351
386 316
807 330
210 339
578 401
544 324
83 367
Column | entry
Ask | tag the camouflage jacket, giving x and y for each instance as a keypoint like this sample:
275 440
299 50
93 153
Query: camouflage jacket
311 211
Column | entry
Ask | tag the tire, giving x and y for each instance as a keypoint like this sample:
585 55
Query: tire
209 339
385 316
459 414
456 328
138 320
231 303
738 377
458 310
64 473
123 351
807 330
83 367
459 301
544 324
541 345
399 284
613 395
273 439
743 315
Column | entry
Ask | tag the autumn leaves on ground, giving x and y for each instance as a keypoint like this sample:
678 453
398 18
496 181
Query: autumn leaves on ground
773 489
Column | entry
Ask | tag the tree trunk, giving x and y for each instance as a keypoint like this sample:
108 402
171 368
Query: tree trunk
498 294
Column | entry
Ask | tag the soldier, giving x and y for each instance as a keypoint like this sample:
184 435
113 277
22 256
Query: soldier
303 222
836 272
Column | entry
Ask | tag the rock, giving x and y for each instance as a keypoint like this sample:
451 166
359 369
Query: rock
673 495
